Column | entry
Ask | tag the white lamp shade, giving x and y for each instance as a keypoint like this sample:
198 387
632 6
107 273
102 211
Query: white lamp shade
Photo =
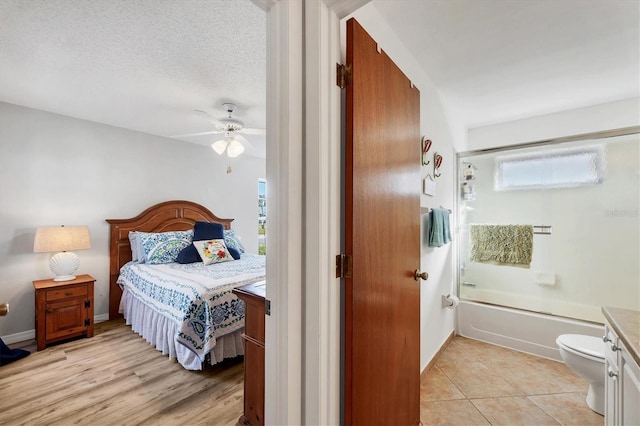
219 146
62 239
233 146
235 149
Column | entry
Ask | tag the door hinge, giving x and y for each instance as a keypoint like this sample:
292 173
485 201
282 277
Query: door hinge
87 303
87 322
267 307
344 266
343 75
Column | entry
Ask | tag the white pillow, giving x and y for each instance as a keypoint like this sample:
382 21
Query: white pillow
133 241
213 251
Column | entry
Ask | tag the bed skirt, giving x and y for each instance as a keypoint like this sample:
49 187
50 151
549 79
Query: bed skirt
160 332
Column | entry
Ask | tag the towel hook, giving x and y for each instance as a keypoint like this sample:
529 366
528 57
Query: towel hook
426 145
437 162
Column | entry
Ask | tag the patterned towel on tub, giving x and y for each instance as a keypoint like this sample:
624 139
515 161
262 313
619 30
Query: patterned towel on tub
510 245
196 297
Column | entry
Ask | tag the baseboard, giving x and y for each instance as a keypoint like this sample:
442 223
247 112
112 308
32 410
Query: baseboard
23 336
437 355
100 318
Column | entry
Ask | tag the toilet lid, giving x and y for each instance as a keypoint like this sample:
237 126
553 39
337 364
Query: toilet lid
588 345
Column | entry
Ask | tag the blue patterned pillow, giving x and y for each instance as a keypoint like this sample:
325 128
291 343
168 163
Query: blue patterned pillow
163 247
232 240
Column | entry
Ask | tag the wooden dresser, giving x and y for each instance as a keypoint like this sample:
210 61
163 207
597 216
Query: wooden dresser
64 309
253 296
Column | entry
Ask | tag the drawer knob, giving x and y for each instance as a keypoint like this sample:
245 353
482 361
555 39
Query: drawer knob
612 374
606 339
615 347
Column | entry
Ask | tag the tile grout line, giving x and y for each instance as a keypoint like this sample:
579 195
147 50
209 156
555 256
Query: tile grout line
522 395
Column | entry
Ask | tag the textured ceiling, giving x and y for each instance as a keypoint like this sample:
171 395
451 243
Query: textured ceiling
139 64
499 60
147 64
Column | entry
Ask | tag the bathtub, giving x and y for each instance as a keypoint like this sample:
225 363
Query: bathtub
523 331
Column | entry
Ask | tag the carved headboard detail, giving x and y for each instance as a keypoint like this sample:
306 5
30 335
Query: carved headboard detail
177 215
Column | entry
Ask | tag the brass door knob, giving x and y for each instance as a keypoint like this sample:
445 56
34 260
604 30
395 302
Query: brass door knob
417 275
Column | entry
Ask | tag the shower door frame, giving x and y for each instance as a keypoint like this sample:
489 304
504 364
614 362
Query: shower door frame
624 131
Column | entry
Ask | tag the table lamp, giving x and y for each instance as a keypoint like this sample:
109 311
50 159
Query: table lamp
62 239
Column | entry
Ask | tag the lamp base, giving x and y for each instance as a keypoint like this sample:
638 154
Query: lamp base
65 278
63 265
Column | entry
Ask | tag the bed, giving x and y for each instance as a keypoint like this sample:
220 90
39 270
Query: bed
187 311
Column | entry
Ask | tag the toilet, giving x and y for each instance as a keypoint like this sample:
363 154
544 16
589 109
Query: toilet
585 356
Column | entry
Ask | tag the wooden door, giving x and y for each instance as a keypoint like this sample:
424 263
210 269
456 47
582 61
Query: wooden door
382 235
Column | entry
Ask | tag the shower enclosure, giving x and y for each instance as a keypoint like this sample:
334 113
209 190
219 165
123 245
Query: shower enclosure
578 248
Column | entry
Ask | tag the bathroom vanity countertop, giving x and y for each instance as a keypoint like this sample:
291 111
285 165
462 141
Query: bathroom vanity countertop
626 324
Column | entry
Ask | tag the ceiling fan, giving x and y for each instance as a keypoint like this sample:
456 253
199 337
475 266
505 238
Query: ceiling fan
233 143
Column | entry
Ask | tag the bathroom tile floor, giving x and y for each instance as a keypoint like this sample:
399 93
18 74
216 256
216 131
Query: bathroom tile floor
475 383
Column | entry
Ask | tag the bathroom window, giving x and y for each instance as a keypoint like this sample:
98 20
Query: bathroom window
563 168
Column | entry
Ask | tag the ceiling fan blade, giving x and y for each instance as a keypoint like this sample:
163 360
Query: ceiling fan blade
253 131
207 116
189 135
239 138
244 141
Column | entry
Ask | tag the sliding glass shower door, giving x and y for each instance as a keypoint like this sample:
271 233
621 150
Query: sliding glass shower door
552 228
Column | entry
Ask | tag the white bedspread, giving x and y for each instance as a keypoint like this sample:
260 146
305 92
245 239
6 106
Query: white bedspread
195 298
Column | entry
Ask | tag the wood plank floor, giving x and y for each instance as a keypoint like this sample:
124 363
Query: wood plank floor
116 378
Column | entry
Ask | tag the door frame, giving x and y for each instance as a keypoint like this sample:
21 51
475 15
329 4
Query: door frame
302 381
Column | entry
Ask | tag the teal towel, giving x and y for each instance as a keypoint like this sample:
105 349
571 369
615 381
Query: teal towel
440 231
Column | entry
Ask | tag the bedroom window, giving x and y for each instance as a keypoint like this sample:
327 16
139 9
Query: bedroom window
562 168
262 216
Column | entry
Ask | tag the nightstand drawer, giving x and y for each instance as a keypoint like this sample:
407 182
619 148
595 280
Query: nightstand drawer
66 292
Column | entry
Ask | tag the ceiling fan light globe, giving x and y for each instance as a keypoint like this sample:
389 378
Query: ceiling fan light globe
219 146
235 149
233 154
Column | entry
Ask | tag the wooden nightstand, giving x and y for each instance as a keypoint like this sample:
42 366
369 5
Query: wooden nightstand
64 309
253 297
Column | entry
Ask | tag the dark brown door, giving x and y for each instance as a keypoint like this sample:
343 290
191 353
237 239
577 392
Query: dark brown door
382 212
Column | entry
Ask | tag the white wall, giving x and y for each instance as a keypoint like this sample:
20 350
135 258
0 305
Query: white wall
58 170
436 323
612 115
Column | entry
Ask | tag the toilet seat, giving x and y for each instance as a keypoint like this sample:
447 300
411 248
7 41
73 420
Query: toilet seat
587 346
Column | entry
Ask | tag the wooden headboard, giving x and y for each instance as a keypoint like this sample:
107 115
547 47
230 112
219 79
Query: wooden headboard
175 215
